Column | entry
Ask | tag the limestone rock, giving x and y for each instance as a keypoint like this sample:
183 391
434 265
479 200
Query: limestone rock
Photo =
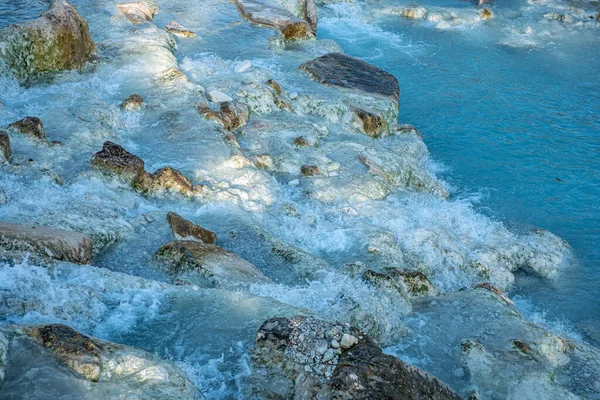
243 66
207 265
58 40
305 358
415 282
30 126
5 150
179 30
268 13
217 96
66 360
372 124
46 242
138 12
132 103
170 180
184 229
336 69
115 159
231 115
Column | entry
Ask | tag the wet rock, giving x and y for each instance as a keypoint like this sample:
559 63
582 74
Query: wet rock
405 129
347 72
207 265
496 291
301 141
58 40
138 12
275 86
217 96
486 13
3 197
268 13
65 359
309 170
415 282
264 161
5 149
231 115
372 124
305 9
116 160
46 242
413 12
296 358
184 229
30 126
133 103
170 180
243 66
179 30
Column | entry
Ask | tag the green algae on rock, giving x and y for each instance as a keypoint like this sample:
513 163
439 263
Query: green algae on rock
58 40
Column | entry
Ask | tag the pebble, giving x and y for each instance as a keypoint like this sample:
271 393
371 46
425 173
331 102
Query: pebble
243 66
328 356
217 96
293 96
335 344
348 341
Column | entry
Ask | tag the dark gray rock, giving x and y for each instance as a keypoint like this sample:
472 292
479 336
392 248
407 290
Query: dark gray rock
347 72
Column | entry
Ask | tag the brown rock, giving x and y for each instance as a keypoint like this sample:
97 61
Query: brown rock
30 126
138 12
46 242
5 145
306 358
132 103
373 124
178 30
116 160
275 86
210 265
496 291
486 14
310 170
301 141
171 180
231 115
184 229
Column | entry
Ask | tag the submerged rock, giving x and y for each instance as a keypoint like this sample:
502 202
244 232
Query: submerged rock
303 357
133 103
30 126
231 115
184 229
207 265
138 12
5 149
268 13
179 30
43 360
347 72
58 40
46 242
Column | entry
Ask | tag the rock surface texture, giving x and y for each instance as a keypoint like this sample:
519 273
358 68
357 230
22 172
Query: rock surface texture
303 357
59 40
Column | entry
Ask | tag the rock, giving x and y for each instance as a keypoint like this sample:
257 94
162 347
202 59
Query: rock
347 72
58 40
231 115
293 96
486 13
207 265
46 242
305 9
170 180
178 30
496 291
263 161
373 124
408 129
413 12
275 86
216 96
243 66
5 150
310 170
66 360
184 229
415 283
301 141
3 197
138 12
287 364
116 160
30 126
132 103
268 13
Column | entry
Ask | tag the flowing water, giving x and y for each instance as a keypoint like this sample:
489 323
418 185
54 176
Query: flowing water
510 112
15 11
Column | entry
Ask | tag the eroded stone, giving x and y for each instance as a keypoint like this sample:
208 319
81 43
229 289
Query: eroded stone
184 229
30 126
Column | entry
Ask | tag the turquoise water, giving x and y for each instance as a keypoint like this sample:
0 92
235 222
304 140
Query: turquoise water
16 11
517 128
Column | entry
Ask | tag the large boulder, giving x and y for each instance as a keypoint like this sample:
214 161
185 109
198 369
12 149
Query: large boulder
46 242
270 14
59 40
207 265
306 358
40 361
347 72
